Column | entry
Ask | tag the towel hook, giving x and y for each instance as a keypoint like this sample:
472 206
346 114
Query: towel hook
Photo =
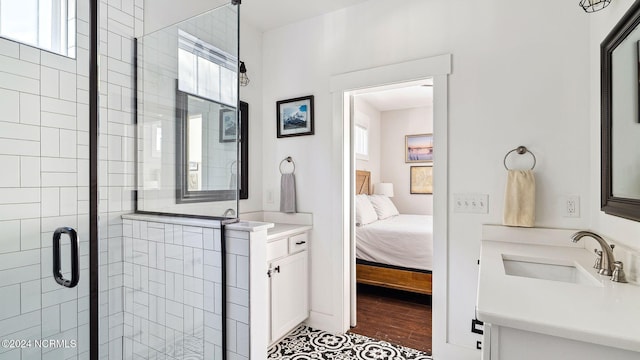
521 150
290 160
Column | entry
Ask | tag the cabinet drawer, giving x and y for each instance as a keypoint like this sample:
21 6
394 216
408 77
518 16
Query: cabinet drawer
298 243
276 249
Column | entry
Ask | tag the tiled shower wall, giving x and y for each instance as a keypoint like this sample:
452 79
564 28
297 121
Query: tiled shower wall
44 152
119 22
172 284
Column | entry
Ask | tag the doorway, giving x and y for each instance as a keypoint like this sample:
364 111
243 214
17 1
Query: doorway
342 87
392 144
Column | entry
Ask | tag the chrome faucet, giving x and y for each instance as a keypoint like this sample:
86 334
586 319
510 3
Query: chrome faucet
228 212
607 259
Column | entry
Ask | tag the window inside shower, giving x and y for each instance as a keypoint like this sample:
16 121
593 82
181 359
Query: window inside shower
46 24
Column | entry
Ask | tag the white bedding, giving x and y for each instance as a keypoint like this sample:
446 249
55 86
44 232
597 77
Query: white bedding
403 240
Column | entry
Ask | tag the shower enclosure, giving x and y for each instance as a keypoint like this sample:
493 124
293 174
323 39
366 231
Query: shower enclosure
84 142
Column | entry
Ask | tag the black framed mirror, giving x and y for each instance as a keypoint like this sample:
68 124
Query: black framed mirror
208 148
620 117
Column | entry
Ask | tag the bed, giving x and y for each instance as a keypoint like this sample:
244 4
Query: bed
395 253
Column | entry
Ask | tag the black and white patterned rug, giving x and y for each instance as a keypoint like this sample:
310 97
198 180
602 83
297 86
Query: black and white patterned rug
306 343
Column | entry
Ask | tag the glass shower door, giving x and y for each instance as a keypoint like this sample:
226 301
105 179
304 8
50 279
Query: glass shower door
44 195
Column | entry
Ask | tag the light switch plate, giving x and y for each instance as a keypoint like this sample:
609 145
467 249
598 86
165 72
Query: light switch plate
471 203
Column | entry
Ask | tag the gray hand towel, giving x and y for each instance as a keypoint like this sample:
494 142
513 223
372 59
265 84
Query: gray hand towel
288 193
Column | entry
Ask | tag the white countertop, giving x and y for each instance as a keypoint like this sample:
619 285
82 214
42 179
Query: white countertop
274 230
250 226
606 314
283 224
283 230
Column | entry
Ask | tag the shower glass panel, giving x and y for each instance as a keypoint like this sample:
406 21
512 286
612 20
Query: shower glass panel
187 112
44 185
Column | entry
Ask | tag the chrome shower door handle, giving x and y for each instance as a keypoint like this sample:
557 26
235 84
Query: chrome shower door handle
75 266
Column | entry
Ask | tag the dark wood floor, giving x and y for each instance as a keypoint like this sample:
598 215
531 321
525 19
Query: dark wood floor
395 316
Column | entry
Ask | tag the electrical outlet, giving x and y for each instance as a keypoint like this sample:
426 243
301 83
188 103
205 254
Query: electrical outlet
269 196
571 205
471 203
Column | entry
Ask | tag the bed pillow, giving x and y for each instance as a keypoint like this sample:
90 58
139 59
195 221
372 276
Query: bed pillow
383 206
365 213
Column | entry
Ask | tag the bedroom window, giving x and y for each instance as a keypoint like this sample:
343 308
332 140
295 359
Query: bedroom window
361 138
47 24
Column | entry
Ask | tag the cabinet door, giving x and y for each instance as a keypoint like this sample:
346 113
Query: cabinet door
486 343
289 293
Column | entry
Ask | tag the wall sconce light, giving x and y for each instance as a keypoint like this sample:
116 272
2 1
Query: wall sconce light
594 5
244 79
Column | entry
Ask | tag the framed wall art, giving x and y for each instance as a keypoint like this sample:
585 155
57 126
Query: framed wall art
419 148
295 116
228 125
421 180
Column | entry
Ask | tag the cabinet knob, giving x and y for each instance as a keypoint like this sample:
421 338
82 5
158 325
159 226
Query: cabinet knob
277 269
301 242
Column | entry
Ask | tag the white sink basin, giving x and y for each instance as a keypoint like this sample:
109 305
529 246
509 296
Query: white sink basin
547 269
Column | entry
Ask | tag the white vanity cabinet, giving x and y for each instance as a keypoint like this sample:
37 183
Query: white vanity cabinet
540 314
288 271
506 343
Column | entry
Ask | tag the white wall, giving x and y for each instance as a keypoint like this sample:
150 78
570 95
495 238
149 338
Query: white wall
395 125
623 232
251 54
366 115
519 78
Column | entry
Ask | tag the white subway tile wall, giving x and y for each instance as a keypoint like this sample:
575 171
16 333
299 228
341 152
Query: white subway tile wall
172 293
118 27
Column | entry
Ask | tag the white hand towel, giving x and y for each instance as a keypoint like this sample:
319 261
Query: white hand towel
288 193
520 199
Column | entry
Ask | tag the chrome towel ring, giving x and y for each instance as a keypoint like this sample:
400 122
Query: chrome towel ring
289 160
521 150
